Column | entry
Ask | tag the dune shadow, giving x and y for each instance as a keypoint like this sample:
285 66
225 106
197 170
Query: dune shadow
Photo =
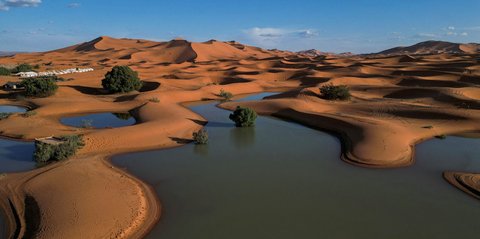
181 140
431 83
124 98
149 86
199 122
89 90
231 80
32 217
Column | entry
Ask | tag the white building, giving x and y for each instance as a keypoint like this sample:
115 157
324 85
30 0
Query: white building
27 74
53 73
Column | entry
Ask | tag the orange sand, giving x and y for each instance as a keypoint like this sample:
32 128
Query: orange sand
397 102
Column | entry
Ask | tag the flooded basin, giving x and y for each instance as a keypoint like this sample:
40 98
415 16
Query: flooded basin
99 120
283 180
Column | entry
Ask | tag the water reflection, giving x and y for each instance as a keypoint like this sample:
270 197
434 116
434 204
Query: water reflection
242 137
201 149
283 180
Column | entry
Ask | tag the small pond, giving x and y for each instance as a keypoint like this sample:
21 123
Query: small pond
12 109
16 156
283 180
100 120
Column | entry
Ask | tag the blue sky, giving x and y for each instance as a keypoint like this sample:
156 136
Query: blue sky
359 26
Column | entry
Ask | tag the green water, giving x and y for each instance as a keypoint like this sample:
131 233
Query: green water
283 180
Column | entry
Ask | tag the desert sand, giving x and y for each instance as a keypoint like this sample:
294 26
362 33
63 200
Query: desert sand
397 102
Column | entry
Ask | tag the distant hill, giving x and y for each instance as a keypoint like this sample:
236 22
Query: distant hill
433 47
315 53
8 53
106 48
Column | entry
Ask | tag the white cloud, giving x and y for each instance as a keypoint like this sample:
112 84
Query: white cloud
464 34
451 28
74 5
271 34
425 35
5 5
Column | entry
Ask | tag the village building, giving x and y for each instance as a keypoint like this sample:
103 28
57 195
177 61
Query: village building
13 86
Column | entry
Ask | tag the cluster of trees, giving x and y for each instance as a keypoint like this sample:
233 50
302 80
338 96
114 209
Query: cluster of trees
47 153
24 67
40 86
121 79
335 92
4 71
242 117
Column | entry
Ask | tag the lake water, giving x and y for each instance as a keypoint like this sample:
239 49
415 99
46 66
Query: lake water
283 180
16 156
12 109
100 120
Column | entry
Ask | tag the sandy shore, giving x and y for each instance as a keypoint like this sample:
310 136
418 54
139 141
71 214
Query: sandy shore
467 182
396 103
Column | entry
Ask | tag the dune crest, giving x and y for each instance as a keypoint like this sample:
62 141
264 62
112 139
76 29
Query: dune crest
396 102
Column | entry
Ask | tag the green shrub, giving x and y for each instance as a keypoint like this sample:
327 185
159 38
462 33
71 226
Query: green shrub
4 115
45 153
226 95
243 117
87 124
4 71
200 137
442 136
121 79
39 87
29 113
154 100
123 116
335 92
22 68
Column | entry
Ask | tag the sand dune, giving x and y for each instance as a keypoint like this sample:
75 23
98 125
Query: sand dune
397 102
467 182
433 47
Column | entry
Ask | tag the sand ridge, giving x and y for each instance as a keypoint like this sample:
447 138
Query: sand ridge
397 101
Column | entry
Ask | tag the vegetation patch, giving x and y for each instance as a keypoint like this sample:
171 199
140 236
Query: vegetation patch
121 79
123 116
52 152
200 137
442 136
29 113
39 86
87 124
5 71
243 117
154 100
4 115
22 68
227 96
335 92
